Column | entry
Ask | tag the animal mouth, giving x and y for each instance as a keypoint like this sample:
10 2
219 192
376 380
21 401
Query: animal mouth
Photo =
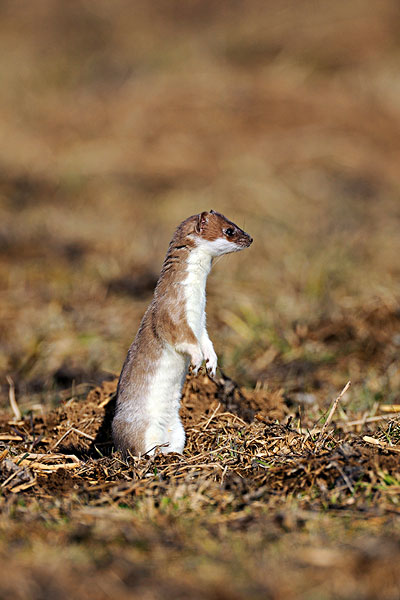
246 242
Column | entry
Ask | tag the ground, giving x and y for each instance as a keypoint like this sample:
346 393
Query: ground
117 122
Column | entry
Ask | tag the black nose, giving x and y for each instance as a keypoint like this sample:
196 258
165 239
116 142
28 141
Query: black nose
250 240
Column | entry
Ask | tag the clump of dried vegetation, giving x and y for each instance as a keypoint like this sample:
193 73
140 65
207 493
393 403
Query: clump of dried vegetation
243 441
121 119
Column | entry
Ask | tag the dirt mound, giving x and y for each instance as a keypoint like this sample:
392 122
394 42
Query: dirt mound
236 452
84 427
246 473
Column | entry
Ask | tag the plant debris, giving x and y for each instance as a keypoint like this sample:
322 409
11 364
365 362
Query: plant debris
241 446
246 454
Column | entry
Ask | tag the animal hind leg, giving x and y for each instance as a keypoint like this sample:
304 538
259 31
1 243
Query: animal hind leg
176 436
156 435
175 431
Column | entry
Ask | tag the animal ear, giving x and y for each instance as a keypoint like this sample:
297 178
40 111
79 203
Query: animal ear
212 212
201 221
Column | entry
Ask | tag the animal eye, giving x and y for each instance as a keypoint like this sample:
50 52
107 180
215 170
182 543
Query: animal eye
229 232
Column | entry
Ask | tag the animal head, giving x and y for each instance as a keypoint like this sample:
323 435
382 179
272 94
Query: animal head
218 235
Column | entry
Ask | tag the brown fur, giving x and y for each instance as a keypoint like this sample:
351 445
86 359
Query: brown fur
163 323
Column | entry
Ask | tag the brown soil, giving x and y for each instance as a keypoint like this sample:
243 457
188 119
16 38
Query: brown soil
238 462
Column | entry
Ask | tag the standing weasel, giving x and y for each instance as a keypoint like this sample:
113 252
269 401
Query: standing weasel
172 334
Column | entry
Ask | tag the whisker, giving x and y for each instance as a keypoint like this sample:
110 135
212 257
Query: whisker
216 260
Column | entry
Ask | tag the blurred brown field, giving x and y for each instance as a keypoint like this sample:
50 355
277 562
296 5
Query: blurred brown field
117 121
120 119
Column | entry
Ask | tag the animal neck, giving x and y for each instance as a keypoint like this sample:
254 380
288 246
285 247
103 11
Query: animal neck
199 265
197 269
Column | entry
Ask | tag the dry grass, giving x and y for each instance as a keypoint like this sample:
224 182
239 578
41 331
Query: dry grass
243 476
239 444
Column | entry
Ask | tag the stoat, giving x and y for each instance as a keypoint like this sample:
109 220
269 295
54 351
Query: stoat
172 334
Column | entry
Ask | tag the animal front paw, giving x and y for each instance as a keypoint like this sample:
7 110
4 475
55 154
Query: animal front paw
195 353
196 360
211 365
210 357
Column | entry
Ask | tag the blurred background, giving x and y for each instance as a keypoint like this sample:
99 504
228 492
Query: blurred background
118 120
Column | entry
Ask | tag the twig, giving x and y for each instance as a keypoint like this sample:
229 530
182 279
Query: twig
82 433
86 435
50 468
346 424
3 454
395 408
156 447
7 481
61 439
345 478
46 457
212 416
107 400
380 443
12 400
332 412
24 486
367 420
223 475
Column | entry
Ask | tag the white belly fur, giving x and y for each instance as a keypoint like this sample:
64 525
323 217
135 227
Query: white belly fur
163 400
164 395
